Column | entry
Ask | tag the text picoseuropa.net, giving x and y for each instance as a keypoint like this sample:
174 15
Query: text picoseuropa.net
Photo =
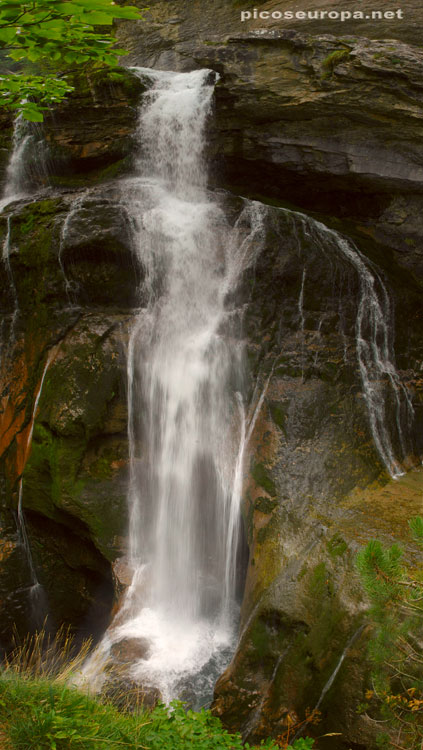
319 15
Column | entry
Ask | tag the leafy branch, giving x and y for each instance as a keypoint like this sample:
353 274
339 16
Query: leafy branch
61 33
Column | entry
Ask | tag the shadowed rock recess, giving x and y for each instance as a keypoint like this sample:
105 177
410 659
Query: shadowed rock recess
316 128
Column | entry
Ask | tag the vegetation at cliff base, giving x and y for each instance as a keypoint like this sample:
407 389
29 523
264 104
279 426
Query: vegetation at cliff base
40 709
42 714
58 36
396 648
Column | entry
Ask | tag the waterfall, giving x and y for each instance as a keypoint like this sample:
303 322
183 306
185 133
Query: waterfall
76 206
5 345
327 686
14 187
187 423
185 490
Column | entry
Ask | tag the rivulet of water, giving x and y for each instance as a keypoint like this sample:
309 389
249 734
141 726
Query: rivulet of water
37 595
388 401
381 382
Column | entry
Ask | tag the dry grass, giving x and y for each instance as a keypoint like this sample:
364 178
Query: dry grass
42 656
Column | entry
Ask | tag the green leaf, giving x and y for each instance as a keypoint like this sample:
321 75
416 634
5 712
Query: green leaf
97 18
7 35
32 115
33 54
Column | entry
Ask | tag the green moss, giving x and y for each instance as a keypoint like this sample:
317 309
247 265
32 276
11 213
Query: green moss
264 533
110 172
32 231
331 61
261 476
259 638
302 572
269 557
51 472
102 80
101 468
336 546
317 581
278 415
265 504
320 584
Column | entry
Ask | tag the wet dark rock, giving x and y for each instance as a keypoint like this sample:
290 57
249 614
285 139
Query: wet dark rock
129 650
74 301
312 113
311 457
106 103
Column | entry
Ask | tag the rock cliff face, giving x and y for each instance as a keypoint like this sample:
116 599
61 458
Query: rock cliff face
315 490
307 116
68 288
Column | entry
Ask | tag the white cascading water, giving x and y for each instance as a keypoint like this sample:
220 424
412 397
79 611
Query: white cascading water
380 379
186 412
384 392
14 186
14 189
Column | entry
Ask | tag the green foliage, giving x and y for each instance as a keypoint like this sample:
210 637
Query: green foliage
47 715
396 648
31 94
416 527
64 34
39 709
303 743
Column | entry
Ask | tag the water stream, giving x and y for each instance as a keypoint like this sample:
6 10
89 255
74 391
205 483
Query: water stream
37 594
14 187
381 382
389 405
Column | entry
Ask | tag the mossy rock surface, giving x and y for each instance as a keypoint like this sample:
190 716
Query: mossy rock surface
78 459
